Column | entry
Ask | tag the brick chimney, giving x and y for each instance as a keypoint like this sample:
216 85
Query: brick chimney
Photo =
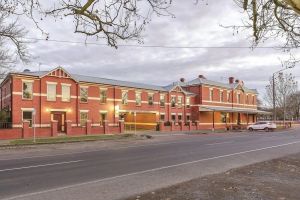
182 80
201 76
231 80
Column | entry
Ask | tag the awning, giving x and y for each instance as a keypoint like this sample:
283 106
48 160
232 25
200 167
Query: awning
231 110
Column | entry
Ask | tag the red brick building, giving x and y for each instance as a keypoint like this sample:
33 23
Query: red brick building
73 101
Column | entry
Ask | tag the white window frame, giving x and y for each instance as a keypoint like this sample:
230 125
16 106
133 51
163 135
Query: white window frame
211 94
138 98
173 97
124 100
65 98
179 101
87 93
80 119
30 121
188 102
162 100
150 99
50 98
31 94
103 97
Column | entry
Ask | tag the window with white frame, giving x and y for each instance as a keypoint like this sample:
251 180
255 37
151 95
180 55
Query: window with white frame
83 118
162 117
221 95
124 97
51 92
173 101
188 102
103 95
188 117
83 94
228 96
211 94
179 117
138 98
27 116
162 100
103 116
150 99
253 101
173 117
238 98
247 99
27 89
179 101
65 93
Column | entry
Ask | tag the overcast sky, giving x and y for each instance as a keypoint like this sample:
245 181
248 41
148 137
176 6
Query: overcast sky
194 25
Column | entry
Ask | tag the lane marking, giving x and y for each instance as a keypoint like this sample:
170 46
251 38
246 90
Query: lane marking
247 134
44 165
216 143
146 171
126 147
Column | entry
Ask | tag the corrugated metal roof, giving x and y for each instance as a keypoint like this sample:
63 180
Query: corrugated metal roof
92 79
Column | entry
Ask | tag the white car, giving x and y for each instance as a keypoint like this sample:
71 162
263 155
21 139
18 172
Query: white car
266 126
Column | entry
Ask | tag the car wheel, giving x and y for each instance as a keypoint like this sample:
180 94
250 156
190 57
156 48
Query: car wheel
266 129
251 129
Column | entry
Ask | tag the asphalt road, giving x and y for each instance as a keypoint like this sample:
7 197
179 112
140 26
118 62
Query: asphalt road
116 173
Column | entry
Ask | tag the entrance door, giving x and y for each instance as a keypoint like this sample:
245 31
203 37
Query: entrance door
60 118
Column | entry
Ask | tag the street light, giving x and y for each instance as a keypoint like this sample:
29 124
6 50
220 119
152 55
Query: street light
274 94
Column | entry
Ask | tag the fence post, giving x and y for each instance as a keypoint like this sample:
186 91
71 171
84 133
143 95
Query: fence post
190 125
105 127
161 126
121 126
54 128
68 127
26 130
181 124
197 125
88 127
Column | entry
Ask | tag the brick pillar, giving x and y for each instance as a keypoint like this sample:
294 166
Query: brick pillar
172 124
88 127
181 124
197 125
105 127
161 126
26 129
54 128
68 125
190 124
121 126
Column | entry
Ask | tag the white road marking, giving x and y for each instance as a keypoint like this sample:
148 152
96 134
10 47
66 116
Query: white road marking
216 143
146 171
44 165
126 147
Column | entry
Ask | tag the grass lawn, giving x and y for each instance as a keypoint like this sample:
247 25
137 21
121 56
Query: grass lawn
67 139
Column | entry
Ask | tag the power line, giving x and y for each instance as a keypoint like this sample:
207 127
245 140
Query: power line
160 46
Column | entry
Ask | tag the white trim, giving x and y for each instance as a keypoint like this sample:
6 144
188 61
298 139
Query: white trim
103 111
83 86
51 83
27 109
66 84
84 111
58 110
28 80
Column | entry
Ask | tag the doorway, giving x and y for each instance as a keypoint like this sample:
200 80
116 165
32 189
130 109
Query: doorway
60 118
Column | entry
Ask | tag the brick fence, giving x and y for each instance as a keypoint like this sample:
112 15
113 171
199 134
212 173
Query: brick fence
27 132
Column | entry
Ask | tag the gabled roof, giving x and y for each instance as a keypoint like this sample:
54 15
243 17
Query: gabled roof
168 88
175 85
203 81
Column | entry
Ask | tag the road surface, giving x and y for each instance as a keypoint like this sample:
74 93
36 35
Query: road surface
121 172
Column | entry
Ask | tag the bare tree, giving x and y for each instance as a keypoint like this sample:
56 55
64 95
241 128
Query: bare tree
12 46
285 86
269 19
293 106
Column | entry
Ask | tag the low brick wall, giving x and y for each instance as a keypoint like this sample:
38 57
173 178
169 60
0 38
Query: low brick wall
28 132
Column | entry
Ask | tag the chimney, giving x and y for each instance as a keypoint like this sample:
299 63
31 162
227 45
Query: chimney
231 80
26 70
201 76
182 80
237 81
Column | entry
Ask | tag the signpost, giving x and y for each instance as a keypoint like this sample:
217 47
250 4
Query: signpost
33 124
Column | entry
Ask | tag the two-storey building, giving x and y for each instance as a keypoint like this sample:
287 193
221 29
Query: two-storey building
44 96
